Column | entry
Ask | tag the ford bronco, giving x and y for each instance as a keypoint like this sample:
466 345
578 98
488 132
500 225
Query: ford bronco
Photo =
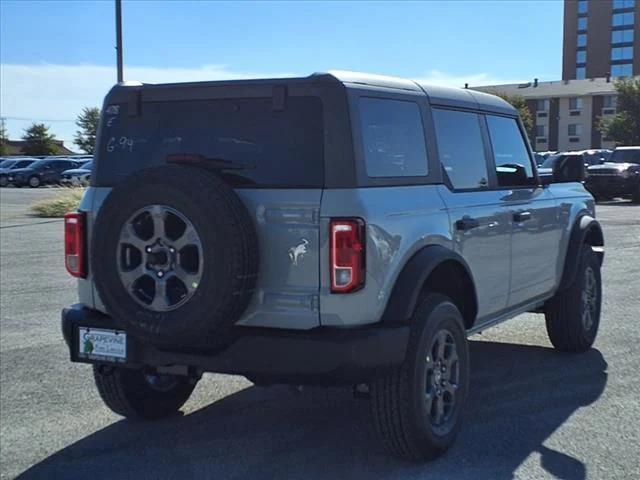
341 228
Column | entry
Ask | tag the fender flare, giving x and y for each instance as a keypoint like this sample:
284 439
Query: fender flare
586 229
410 281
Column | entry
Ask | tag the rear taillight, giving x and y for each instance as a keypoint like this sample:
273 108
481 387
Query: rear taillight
74 244
347 255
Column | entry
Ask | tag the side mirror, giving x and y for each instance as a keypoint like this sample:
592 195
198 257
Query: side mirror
511 174
569 169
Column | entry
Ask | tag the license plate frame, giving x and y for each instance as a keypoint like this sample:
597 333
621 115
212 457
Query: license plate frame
102 344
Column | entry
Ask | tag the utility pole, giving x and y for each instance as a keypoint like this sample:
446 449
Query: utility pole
119 39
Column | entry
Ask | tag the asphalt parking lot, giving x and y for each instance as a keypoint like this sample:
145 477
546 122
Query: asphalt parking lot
534 413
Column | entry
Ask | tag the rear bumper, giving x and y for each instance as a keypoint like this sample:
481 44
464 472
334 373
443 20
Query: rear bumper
320 356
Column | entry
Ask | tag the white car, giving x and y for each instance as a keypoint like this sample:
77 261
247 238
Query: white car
77 177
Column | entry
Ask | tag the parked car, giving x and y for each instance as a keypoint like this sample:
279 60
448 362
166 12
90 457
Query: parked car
547 154
12 164
269 251
40 172
77 176
617 177
596 156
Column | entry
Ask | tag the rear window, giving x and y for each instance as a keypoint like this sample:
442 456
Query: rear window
263 146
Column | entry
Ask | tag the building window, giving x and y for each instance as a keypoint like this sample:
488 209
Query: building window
581 56
582 40
575 103
583 6
619 19
581 73
575 129
618 4
622 53
609 101
582 23
541 130
621 70
622 36
543 105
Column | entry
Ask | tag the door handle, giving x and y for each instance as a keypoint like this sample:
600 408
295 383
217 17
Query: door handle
521 216
467 223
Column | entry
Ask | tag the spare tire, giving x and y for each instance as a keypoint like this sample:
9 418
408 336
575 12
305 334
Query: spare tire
174 256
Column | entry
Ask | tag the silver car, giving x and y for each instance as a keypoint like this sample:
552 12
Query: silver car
341 228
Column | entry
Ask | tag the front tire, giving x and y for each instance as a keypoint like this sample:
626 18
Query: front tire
573 315
417 408
135 394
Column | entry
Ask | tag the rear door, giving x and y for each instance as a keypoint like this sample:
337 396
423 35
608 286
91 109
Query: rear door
532 211
480 223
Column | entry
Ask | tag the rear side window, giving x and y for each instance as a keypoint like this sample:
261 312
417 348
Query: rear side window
263 146
461 149
512 161
392 138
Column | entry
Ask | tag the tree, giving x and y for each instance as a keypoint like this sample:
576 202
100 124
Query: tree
520 104
4 138
38 140
624 127
88 123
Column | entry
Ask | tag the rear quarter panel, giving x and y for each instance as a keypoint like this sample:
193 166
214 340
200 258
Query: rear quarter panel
399 222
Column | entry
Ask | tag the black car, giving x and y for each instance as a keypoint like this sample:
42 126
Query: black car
41 172
618 177
6 166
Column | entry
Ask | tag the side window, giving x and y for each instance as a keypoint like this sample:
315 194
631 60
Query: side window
461 148
392 138
513 164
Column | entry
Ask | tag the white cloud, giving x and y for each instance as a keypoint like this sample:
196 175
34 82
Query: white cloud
55 94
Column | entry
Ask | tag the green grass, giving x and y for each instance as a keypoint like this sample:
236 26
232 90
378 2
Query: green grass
63 202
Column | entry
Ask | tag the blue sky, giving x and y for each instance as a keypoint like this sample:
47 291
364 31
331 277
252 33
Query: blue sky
58 56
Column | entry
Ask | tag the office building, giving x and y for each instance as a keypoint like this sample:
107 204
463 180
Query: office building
565 112
601 39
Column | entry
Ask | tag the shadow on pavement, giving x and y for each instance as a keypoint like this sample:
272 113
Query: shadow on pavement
519 396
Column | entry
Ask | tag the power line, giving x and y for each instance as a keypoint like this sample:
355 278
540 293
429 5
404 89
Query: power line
53 120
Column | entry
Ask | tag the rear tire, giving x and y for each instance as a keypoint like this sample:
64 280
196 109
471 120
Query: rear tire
3 181
133 394
573 314
34 182
417 408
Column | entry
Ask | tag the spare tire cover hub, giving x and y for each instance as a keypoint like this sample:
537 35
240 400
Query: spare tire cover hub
160 258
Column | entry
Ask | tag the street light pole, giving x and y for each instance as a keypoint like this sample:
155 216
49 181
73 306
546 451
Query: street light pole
119 39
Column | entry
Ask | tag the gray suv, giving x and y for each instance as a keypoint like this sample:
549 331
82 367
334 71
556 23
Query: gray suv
336 229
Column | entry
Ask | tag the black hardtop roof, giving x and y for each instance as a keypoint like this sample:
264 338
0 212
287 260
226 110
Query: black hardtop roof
438 95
